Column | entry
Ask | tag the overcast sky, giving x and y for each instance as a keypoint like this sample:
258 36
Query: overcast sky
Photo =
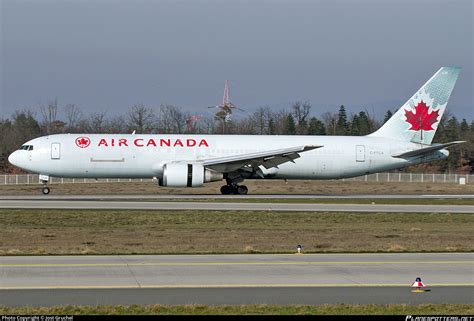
113 54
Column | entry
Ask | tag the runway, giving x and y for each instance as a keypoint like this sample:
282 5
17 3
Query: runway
218 196
229 206
236 279
237 296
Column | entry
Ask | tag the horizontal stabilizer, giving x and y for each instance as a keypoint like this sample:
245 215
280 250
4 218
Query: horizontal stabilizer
426 150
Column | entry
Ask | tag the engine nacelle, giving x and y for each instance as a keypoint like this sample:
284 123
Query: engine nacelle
187 175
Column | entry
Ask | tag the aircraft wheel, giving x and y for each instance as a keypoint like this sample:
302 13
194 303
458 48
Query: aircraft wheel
45 190
226 190
242 190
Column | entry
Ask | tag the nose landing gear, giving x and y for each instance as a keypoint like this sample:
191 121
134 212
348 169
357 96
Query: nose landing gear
234 189
45 190
44 180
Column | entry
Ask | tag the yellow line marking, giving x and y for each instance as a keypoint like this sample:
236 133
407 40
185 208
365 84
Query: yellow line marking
228 263
182 286
421 291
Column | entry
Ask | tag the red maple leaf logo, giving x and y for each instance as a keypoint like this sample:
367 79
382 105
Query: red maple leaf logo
421 119
83 142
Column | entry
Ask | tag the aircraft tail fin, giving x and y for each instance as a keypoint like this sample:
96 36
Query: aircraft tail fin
417 120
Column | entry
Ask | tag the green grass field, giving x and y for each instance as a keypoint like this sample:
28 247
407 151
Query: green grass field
327 309
36 232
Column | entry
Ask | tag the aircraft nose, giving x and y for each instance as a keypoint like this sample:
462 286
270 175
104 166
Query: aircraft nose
13 158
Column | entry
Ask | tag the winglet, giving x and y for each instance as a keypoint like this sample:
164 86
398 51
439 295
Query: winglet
311 147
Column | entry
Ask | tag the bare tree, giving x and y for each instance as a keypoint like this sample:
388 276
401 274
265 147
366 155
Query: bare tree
208 125
261 119
73 116
141 118
300 113
165 120
117 125
330 121
172 119
97 122
49 113
246 126
279 122
179 119
374 123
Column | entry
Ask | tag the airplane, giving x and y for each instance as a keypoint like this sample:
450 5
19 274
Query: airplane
192 160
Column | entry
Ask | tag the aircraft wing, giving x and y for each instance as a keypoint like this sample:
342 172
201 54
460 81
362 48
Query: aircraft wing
426 150
267 159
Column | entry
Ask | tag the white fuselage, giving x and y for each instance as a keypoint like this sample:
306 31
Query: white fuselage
143 156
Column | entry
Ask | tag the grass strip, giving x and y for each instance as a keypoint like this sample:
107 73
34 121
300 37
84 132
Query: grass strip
263 309
336 187
61 232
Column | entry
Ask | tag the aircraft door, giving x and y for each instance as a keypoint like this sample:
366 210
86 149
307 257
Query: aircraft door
360 153
55 151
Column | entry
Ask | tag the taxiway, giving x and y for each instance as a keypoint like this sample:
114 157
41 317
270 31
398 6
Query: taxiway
236 279
72 203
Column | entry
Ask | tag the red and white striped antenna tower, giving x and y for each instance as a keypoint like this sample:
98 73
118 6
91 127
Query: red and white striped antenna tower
190 121
225 112
226 104
225 100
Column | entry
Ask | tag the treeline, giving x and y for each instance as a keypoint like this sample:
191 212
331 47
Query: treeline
168 119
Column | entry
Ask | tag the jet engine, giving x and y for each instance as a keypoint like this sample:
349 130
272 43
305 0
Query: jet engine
187 175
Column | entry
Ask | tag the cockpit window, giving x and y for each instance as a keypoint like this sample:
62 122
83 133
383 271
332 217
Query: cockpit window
30 147
26 147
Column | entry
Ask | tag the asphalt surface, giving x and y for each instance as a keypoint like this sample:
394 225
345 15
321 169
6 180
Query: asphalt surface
220 206
233 279
237 296
236 279
215 196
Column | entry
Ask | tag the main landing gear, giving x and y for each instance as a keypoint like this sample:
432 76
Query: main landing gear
234 189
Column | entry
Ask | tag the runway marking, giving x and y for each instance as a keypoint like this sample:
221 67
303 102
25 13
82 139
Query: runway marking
229 263
421 291
211 286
